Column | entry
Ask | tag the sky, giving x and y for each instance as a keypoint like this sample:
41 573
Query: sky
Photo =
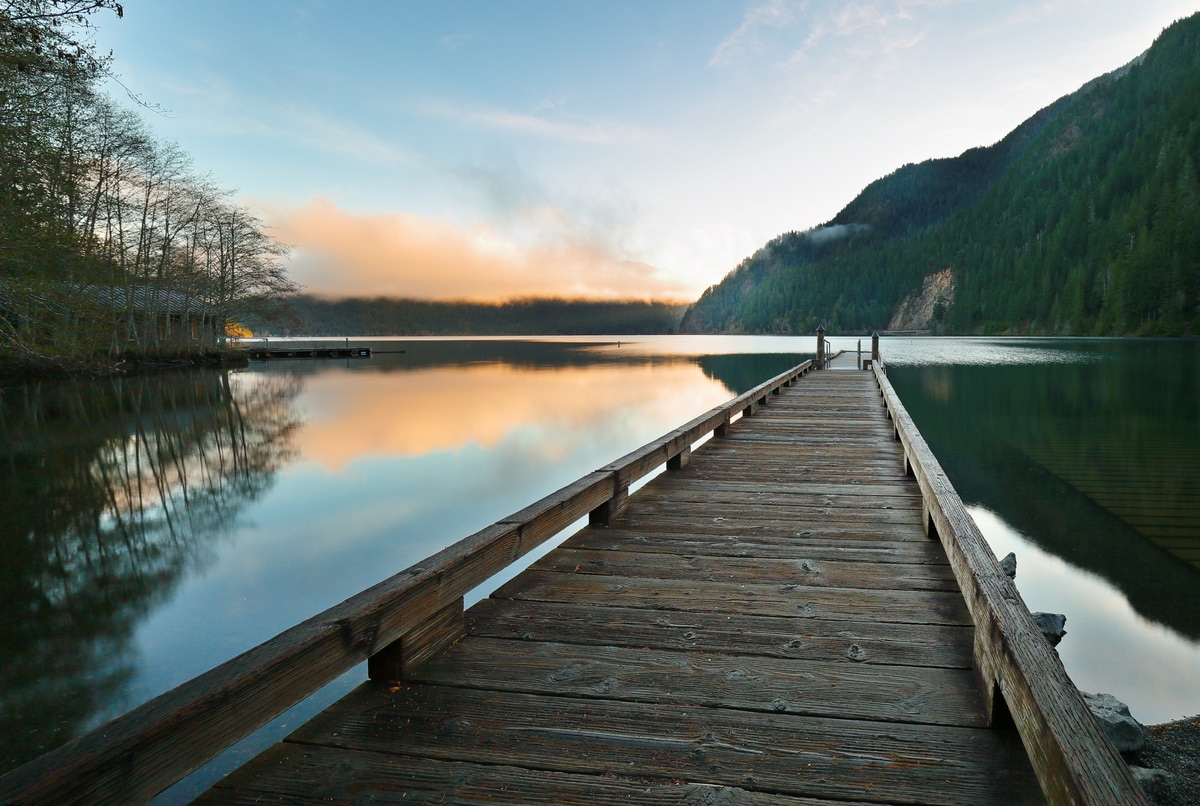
604 149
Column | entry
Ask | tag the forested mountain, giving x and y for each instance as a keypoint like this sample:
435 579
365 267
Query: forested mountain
1085 219
409 317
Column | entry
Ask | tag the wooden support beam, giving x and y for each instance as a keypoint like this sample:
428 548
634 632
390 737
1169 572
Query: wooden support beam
679 460
399 659
607 513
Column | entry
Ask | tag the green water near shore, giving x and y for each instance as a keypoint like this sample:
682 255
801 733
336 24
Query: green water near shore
1083 457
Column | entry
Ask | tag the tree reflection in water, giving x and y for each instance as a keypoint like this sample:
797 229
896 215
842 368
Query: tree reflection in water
111 490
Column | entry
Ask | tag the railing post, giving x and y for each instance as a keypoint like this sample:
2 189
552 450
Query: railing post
875 347
680 460
820 347
607 513
403 656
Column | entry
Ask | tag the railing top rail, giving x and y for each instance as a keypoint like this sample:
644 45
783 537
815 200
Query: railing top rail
1073 759
141 753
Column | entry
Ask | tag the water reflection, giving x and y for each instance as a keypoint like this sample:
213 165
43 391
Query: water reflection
418 407
111 492
155 527
1110 646
1094 463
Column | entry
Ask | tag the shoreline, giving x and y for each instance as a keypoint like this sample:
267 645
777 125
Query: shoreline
23 369
1173 748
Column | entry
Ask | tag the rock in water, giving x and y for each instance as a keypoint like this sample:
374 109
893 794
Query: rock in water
1126 733
1052 626
1009 565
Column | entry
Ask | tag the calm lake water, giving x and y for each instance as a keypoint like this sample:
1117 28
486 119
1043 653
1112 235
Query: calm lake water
153 527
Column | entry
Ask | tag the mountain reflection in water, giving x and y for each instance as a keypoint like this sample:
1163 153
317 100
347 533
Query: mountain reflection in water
1088 450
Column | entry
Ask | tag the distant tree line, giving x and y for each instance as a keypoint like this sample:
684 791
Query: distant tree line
1083 220
383 316
110 240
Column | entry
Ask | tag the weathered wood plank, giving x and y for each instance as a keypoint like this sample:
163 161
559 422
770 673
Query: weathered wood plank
710 495
858 549
640 507
900 487
307 775
779 752
810 526
805 571
783 599
945 646
770 685
793 463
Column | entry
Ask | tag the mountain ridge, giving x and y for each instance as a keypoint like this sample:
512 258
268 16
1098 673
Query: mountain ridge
1069 172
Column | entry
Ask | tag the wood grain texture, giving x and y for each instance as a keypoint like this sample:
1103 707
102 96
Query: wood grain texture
770 685
831 547
864 642
307 775
773 752
796 570
763 599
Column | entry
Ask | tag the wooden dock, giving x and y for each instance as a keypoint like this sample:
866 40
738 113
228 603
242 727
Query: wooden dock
268 352
797 612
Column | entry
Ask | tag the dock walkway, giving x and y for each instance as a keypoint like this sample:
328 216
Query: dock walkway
767 624
798 611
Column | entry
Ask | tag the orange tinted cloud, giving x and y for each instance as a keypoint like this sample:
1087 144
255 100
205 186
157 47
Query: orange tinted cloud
343 254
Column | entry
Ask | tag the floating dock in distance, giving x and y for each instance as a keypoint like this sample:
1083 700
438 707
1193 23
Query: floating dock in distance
270 353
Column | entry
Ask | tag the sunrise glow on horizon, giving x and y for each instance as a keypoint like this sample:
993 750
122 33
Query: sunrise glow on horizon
490 151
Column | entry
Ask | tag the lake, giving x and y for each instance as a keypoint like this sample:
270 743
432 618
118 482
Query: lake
153 527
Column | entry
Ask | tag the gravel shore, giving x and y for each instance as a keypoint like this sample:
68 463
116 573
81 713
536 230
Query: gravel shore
1173 747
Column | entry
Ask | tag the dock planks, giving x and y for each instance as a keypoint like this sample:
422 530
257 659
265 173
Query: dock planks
768 624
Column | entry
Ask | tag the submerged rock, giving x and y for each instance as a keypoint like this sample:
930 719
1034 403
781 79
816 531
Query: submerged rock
1052 625
1125 732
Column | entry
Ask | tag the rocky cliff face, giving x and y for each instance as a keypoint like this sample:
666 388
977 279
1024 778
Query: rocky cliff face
926 309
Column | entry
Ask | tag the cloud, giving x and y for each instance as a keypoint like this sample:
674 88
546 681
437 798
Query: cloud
767 15
881 25
453 42
214 108
835 232
340 253
594 131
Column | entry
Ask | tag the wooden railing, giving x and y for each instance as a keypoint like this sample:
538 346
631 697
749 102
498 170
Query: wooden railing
1022 677
394 626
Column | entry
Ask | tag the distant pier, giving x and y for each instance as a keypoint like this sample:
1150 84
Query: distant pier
268 352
